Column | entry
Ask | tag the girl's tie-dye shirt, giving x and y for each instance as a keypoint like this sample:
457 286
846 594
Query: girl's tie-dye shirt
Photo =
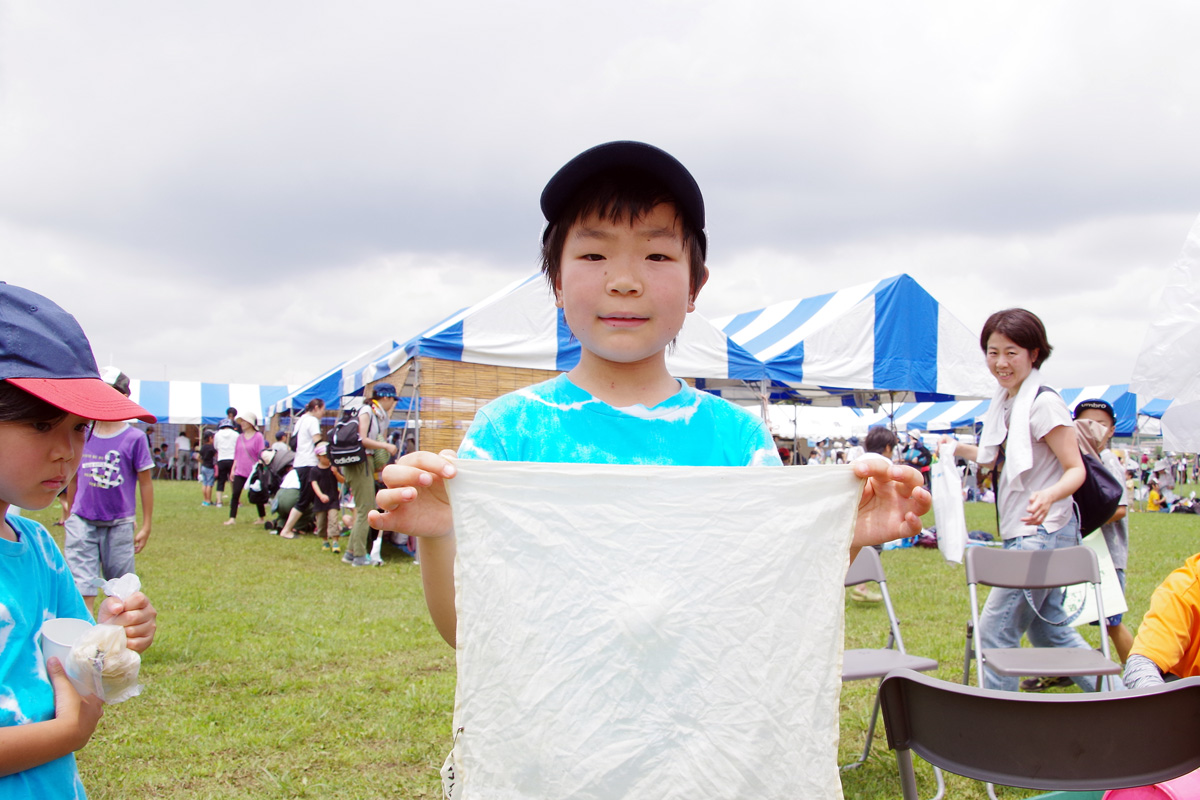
35 585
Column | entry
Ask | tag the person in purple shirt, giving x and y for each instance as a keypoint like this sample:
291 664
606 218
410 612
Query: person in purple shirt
100 541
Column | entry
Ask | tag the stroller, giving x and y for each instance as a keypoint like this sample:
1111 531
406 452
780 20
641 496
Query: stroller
268 484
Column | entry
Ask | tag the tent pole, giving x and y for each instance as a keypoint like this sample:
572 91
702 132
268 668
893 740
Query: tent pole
414 402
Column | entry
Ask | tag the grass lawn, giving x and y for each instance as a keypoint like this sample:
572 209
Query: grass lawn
280 672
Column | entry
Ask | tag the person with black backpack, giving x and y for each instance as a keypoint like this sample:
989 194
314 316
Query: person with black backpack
372 428
1029 441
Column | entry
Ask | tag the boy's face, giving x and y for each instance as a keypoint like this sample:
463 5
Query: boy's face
624 287
1099 416
40 458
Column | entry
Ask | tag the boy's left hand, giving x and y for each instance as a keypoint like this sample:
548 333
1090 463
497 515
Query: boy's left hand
135 614
140 538
893 500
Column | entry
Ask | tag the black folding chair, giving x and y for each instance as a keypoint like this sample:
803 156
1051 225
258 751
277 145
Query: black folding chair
1057 742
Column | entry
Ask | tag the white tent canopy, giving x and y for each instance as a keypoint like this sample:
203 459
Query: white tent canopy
519 326
888 338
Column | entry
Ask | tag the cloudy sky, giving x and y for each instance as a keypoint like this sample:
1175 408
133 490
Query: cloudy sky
255 192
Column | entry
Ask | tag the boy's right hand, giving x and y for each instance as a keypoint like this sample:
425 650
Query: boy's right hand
78 715
415 500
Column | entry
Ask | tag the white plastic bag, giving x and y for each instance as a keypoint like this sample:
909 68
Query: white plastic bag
644 631
948 505
100 661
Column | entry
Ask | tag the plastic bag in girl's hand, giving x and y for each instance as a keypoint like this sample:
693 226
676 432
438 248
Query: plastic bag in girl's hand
948 505
102 664
100 660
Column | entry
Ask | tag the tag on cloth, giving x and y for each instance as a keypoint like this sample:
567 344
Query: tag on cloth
646 631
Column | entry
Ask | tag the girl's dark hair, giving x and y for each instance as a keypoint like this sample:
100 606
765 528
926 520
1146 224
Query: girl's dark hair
618 195
1023 327
315 403
18 405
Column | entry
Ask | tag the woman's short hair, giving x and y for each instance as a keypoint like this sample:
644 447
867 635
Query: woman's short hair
1022 327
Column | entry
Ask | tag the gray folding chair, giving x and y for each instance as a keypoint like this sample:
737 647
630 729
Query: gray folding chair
1035 569
1072 742
864 664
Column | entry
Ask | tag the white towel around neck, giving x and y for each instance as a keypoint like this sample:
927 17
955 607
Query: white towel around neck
1018 453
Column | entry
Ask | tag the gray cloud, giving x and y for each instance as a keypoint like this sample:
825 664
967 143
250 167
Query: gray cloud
228 165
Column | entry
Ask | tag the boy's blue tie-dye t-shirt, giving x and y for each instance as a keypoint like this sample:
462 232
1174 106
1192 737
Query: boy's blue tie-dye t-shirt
558 422
35 585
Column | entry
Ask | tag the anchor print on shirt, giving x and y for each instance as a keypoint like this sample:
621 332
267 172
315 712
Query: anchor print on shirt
105 474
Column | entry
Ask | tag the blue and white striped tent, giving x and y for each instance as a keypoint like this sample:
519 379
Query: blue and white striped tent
949 416
888 337
328 385
196 403
519 326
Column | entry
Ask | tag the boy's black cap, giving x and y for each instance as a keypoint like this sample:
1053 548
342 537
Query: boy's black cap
1099 405
637 155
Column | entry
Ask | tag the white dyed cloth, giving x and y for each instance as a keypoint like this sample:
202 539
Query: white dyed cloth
647 631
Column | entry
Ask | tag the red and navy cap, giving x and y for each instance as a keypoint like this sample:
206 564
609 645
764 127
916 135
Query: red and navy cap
44 352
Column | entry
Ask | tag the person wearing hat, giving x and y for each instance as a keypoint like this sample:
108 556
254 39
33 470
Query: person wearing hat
1116 530
50 392
1096 420
245 456
100 542
623 253
373 420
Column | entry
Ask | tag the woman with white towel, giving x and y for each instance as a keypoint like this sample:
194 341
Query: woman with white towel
1029 439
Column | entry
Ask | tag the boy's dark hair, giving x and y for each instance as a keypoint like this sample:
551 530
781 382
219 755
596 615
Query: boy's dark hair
879 439
18 405
1023 327
619 195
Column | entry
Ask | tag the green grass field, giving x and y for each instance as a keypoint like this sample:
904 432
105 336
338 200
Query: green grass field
280 672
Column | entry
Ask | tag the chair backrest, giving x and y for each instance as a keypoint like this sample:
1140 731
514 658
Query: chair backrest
1032 569
1090 741
866 567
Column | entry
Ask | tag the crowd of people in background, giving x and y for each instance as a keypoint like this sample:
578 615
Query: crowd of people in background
292 484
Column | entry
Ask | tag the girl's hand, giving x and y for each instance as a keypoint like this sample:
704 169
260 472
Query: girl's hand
136 615
78 715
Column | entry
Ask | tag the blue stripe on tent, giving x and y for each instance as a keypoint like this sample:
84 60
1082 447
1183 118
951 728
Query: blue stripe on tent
214 399
740 321
742 365
905 336
329 389
568 346
921 421
788 366
155 397
446 344
801 313
1155 408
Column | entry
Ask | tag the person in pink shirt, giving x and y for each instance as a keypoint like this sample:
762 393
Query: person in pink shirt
245 455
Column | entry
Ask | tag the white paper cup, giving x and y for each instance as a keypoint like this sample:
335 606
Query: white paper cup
58 635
